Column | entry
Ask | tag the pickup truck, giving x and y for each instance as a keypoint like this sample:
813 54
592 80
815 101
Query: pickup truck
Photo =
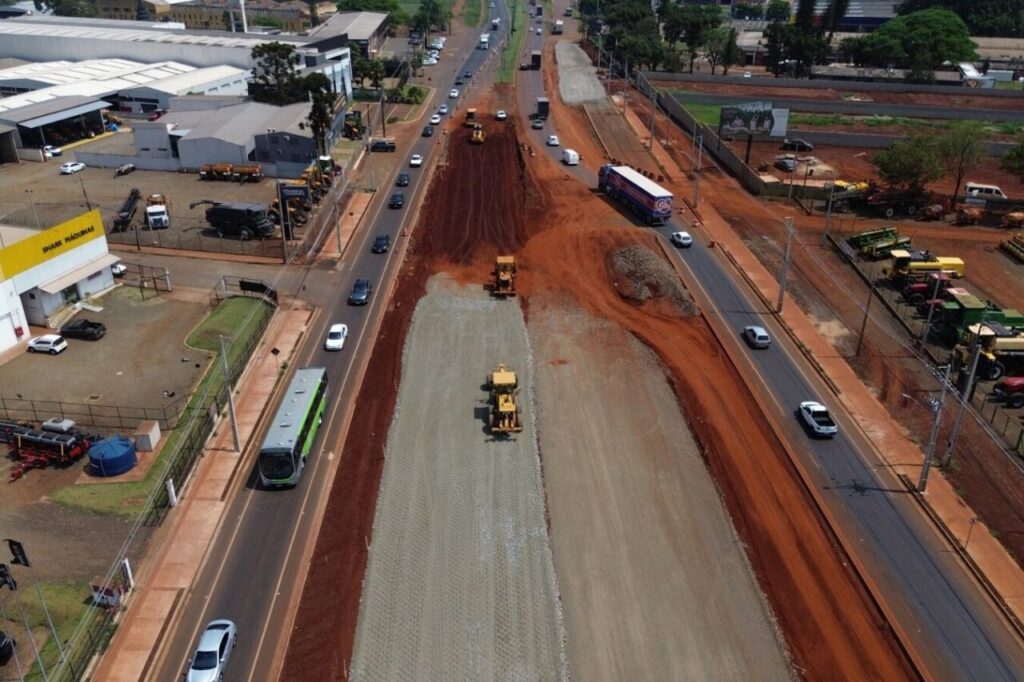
84 329
816 418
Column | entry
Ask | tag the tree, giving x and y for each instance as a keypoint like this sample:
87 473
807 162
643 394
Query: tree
743 10
429 16
673 25
926 39
376 72
697 21
777 10
722 49
275 79
733 54
804 39
1013 161
775 45
910 163
360 69
962 149
67 8
997 18
321 111
834 16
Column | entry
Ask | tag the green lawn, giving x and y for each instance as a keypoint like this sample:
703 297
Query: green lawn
410 6
66 603
233 318
705 113
510 57
1008 85
471 10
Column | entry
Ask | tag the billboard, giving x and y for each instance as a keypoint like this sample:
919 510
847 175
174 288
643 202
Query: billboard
753 118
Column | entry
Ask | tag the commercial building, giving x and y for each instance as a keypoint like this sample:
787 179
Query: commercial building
43 272
365 31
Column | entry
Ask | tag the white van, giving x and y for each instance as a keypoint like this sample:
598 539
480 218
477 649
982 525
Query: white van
570 157
973 189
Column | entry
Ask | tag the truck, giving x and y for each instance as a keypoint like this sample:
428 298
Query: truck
543 107
157 216
84 329
559 26
240 219
485 41
645 197
535 58
495 23
817 419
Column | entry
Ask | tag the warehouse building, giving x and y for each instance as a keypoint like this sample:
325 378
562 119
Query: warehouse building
44 272
365 31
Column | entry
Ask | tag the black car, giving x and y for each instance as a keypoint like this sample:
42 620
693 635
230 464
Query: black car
382 146
459 81
797 145
381 243
397 200
7 645
468 74
360 292
403 180
84 329
428 131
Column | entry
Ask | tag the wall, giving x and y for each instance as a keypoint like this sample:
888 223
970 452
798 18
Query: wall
290 153
194 153
152 140
98 160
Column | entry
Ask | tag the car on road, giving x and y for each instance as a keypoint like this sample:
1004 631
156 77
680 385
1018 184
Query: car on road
71 167
381 243
817 419
415 161
336 336
360 292
443 109
756 337
402 180
459 81
397 200
467 75
797 145
683 240
553 141
538 124
501 115
434 120
453 93
213 653
49 151
524 66
539 30
48 343
84 329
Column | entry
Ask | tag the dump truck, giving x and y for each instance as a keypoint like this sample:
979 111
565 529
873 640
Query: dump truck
470 121
535 59
1000 349
247 172
237 219
908 265
157 216
645 197
503 386
878 242
505 274
216 171
478 135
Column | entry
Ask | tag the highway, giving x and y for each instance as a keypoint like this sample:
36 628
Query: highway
252 572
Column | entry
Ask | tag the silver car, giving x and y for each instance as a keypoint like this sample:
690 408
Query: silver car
757 337
213 653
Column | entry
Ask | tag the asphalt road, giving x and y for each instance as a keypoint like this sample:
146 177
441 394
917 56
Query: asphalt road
252 572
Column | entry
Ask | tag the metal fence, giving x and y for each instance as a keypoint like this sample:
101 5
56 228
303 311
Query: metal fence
196 240
106 417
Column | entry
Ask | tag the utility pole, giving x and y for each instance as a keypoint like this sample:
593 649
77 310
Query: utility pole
231 398
785 265
696 187
34 211
965 396
88 204
828 211
931 310
922 482
864 322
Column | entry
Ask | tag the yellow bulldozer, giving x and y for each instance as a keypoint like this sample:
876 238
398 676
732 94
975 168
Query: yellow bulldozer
503 385
505 274
478 135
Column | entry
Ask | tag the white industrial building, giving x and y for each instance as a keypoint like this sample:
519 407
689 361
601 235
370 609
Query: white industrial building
44 272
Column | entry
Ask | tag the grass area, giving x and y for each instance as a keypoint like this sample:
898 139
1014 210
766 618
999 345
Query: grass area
471 11
66 603
510 57
817 120
705 113
232 318
410 6
1008 85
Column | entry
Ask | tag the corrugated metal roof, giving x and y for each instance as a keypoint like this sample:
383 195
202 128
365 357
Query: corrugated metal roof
66 30
44 111
358 25
238 124
117 71
182 83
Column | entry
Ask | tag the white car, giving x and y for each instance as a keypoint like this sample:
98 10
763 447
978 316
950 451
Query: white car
453 93
539 30
415 161
757 337
816 418
429 62
50 343
443 109
435 119
213 653
681 239
71 167
336 336
553 141
49 151
501 115
118 269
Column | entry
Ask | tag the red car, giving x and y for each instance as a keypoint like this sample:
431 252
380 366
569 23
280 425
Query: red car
156 114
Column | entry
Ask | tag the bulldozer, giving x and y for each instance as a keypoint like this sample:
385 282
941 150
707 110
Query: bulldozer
505 274
478 135
503 386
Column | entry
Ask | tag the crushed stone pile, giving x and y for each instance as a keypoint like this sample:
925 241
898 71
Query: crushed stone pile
641 275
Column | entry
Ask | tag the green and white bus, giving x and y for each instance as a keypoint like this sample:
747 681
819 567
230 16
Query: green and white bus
294 428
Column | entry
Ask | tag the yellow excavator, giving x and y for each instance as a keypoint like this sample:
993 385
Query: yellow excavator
503 385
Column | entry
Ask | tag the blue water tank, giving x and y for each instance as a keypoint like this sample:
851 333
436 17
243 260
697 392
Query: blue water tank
112 456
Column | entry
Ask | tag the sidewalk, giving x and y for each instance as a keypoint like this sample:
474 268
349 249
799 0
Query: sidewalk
166 577
891 441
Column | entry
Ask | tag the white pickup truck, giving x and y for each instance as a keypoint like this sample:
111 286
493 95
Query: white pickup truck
817 419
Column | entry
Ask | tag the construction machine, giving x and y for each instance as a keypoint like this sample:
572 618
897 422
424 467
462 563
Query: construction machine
478 135
503 386
1000 349
248 172
1014 247
470 121
878 242
505 274
907 265
216 171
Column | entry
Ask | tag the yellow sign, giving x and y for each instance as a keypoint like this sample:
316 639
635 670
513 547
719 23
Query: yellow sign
41 247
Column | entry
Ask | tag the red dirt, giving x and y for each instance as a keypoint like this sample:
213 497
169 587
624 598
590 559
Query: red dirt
831 626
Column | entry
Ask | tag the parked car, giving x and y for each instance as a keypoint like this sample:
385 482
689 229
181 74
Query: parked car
817 419
553 141
84 329
1011 390
7 646
453 93
757 337
397 200
381 243
501 115
124 169
336 336
49 151
118 269
382 146
429 61
786 165
415 161
157 114
683 240
360 292
213 653
48 343
403 180
797 145
71 167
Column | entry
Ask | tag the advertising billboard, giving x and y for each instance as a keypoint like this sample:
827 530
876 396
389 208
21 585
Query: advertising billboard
753 118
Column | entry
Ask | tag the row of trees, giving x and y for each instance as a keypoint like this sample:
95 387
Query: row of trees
999 18
920 42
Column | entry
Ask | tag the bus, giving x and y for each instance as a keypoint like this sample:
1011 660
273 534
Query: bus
291 434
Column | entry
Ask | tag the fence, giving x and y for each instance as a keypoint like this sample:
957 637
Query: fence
104 417
196 240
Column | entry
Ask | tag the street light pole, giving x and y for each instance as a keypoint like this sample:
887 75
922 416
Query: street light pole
696 186
864 322
922 482
785 264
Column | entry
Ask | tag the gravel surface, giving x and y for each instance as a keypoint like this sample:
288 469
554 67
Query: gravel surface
577 76
656 584
460 583
641 275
